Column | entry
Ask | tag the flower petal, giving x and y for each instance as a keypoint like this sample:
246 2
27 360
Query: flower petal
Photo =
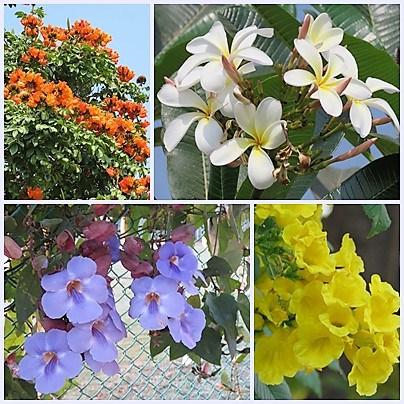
96 288
56 340
311 55
191 63
330 101
377 84
137 307
30 367
208 135
384 106
102 349
246 37
164 286
319 26
274 136
84 311
330 39
193 77
171 96
213 77
217 37
50 382
268 112
245 117
298 77
178 127
71 364
350 68
35 345
56 281
80 338
81 267
260 168
172 305
254 55
56 304
361 118
358 90
140 287
246 68
230 151
334 68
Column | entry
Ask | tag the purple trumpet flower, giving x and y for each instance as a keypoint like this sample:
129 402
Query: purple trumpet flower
155 300
97 337
177 261
188 327
49 361
108 368
113 246
76 291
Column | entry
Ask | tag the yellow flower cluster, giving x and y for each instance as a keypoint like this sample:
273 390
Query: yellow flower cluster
326 311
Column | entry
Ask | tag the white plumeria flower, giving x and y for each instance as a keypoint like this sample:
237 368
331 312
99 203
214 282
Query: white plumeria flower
321 34
350 68
360 113
264 127
213 46
325 83
208 132
227 94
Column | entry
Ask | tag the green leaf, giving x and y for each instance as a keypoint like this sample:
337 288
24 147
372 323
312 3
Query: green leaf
222 182
223 309
268 392
379 217
386 144
159 342
210 346
217 266
27 295
51 224
386 25
244 307
17 389
310 380
177 351
378 180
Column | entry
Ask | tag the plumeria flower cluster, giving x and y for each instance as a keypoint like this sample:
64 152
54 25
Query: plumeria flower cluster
161 289
79 315
212 82
318 42
306 319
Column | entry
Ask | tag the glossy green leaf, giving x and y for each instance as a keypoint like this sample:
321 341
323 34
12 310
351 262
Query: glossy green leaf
379 217
378 180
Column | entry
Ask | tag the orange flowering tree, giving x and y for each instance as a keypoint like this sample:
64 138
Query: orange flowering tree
75 120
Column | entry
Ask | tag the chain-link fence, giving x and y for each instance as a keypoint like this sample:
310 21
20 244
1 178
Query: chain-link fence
143 377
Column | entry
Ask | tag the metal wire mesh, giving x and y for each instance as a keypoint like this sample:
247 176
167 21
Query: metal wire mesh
141 376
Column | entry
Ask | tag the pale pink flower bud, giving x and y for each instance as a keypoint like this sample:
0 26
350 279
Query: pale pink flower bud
12 249
184 233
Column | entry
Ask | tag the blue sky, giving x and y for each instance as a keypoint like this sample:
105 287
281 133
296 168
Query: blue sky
128 24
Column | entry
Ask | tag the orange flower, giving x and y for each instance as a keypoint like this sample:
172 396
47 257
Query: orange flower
51 34
126 184
125 74
35 193
112 172
113 55
31 24
35 53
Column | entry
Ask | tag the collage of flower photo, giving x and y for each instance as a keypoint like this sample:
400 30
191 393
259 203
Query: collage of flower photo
201 201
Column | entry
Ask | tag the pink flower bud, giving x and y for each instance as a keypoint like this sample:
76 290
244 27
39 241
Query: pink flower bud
101 210
143 269
130 262
184 233
100 231
12 249
39 263
133 245
178 207
65 241
363 147
103 264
